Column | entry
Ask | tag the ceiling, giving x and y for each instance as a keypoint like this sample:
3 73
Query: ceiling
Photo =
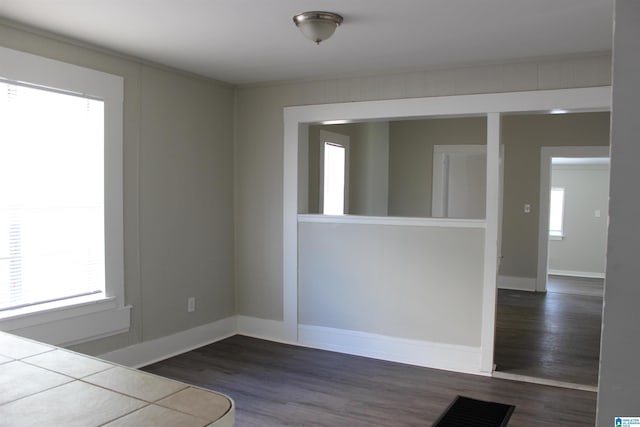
250 41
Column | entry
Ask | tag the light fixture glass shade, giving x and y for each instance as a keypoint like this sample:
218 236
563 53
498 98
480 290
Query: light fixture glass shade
317 26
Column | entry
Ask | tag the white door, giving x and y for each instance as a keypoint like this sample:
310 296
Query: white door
459 181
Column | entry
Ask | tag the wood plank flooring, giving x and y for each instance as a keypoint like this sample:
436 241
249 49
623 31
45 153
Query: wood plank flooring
553 336
282 385
576 286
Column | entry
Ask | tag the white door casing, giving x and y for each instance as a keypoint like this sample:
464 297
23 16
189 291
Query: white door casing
546 154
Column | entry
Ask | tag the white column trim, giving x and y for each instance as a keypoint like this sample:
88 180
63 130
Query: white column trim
490 242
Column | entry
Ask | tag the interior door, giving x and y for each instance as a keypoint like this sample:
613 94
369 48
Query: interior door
459 181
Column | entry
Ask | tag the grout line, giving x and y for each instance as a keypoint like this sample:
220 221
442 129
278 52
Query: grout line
71 380
124 415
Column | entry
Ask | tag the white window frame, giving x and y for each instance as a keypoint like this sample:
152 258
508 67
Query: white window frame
80 319
342 141
557 234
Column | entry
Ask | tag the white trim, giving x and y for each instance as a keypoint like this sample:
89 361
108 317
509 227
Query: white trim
571 273
389 220
517 283
546 153
491 241
57 310
449 357
578 99
272 330
152 351
292 140
66 331
544 381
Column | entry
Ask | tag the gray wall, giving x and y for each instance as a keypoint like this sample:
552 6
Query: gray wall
583 248
369 170
178 191
259 148
411 167
368 166
619 385
523 136
396 281
411 158
391 164
351 130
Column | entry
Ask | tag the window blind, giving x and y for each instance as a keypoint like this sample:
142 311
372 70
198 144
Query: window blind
51 195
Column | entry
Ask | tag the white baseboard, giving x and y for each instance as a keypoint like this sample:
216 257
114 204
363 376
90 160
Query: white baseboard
517 283
421 353
271 330
585 274
449 357
148 352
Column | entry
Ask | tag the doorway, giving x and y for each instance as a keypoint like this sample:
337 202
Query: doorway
551 332
578 225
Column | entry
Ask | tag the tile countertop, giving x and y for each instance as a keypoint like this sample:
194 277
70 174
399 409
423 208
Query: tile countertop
43 385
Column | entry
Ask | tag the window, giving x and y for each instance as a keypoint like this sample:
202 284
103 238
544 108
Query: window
51 196
61 241
334 180
556 213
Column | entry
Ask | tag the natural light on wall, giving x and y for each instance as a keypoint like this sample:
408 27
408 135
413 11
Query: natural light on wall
51 196
556 213
334 174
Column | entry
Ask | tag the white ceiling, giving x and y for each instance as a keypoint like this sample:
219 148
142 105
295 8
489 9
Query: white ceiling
248 41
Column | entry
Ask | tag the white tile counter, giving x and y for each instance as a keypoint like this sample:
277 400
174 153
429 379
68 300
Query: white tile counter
42 385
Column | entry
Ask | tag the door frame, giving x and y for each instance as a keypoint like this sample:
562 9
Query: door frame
343 141
440 179
546 154
491 106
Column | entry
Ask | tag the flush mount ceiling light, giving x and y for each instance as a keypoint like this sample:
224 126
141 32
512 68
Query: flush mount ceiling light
317 26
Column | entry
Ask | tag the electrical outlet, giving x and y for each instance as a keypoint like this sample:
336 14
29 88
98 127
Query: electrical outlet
191 304
527 208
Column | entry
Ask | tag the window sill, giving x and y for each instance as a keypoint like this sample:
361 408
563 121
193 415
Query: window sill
68 322
391 220
556 236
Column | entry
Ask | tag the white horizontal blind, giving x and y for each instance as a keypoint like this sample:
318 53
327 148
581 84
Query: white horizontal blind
51 196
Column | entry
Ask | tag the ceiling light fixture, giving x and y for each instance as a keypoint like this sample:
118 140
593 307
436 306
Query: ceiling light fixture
317 26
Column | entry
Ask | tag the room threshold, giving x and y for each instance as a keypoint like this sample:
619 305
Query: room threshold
544 381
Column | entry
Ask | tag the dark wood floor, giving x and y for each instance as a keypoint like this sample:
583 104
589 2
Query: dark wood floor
575 285
554 336
281 385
